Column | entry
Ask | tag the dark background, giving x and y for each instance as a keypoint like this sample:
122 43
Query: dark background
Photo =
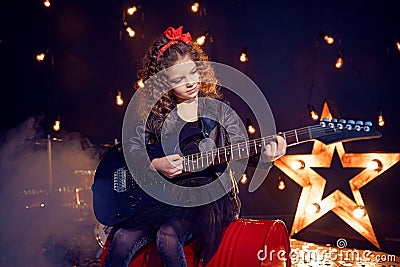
288 60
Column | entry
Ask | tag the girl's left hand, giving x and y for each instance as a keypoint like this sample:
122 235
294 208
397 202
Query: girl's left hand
274 150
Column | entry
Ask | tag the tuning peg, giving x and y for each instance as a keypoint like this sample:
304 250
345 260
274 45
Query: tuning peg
351 122
368 123
342 121
325 119
334 120
361 123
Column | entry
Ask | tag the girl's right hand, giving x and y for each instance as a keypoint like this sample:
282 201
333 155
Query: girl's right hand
170 165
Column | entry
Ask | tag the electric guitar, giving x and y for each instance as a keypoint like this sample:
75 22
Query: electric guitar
116 195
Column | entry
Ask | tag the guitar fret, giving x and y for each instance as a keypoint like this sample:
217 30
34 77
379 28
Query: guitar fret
255 145
219 160
297 138
247 148
239 150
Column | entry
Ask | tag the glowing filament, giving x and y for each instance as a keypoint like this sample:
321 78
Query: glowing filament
132 10
140 83
244 179
398 45
329 39
251 129
195 7
40 57
339 62
243 57
201 40
46 3
118 99
281 183
130 32
57 125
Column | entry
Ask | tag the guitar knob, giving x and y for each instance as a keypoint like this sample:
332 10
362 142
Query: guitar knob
342 121
361 123
351 122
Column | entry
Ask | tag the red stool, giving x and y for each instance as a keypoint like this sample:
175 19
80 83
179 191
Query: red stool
245 243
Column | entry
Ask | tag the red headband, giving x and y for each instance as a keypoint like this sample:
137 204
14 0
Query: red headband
174 36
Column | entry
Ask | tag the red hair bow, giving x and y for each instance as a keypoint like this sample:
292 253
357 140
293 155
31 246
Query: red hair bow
175 35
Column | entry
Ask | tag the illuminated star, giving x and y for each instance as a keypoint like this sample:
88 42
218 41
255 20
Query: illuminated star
311 206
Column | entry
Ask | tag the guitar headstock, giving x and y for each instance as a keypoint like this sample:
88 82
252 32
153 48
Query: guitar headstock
331 131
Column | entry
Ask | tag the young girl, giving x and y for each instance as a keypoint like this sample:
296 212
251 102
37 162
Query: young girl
170 226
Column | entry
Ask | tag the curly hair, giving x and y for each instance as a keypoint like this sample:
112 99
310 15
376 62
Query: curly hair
153 62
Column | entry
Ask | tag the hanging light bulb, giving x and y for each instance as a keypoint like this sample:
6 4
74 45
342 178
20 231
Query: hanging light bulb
57 125
327 38
195 7
130 32
140 83
339 61
46 3
132 10
250 128
381 120
243 56
118 98
201 40
40 57
314 115
281 183
244 178
398 45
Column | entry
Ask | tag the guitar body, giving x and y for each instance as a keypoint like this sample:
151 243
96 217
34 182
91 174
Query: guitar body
110 206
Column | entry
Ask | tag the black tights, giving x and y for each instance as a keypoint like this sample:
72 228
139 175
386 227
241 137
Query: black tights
170 238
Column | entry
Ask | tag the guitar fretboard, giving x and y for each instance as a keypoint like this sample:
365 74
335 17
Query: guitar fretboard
242 150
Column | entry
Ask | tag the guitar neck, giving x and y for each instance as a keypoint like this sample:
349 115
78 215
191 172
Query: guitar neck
242 150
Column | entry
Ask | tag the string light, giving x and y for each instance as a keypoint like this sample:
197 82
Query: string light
201 40
118 98
40 57
398 45
244 178
381 120
327 38
281 183
195 7
339 61
46 3
314 115
57 125
250 128
131 32
243 56
132 10
140 83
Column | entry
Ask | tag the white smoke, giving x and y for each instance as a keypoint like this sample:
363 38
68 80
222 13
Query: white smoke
45 198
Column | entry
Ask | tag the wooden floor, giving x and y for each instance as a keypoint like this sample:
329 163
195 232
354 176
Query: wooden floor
305 254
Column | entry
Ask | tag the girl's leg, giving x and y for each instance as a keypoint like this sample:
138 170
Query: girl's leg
124 245
170 239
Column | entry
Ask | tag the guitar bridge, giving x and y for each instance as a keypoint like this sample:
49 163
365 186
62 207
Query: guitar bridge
119 180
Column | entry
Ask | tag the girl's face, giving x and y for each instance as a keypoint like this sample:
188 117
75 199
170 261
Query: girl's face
184 77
